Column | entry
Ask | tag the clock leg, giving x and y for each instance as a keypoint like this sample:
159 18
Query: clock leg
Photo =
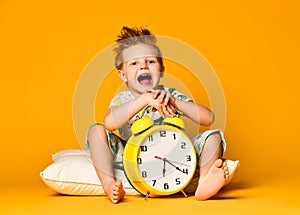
184 194
147 195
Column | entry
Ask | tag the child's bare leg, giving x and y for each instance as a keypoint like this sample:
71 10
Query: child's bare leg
114 189
213 171
103 163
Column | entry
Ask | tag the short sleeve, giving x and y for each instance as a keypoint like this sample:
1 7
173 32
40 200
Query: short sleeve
178 95
121 98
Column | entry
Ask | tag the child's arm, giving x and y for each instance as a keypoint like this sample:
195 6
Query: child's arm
118 116
196 112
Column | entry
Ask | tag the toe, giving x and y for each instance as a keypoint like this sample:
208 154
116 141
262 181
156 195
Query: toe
115 189
219 163
224 165
119 184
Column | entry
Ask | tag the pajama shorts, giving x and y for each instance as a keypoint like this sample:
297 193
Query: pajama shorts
117 144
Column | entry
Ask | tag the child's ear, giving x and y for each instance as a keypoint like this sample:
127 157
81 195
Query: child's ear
122 75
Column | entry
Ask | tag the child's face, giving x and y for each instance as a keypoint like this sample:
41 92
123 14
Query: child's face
141 69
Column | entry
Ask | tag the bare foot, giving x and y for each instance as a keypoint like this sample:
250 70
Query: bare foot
117 192
213 181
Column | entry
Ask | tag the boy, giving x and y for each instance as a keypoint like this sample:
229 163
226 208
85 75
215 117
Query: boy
140 66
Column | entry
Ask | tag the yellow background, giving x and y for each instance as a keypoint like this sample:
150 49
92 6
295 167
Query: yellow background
253 47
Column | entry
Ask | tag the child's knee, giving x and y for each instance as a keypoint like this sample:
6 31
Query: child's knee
214 138
96 132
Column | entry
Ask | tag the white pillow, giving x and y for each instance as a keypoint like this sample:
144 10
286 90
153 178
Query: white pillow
73 173
232 167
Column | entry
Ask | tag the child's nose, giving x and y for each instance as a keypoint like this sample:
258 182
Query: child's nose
144 65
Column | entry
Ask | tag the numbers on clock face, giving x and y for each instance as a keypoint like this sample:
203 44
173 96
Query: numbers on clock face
166 159
162 133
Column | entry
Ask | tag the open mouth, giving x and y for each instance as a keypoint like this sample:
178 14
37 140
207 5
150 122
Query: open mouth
145 79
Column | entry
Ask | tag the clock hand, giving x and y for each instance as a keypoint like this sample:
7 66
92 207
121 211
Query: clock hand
160 158
164 169
176 167
164 159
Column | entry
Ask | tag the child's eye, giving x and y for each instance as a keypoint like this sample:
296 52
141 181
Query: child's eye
134 63
151 61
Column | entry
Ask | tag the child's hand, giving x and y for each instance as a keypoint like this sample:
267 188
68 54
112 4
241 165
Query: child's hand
164 102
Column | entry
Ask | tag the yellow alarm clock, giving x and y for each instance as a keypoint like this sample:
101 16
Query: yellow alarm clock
159 160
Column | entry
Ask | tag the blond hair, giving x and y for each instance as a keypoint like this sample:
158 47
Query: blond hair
133 36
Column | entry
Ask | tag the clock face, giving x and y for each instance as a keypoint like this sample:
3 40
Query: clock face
166 160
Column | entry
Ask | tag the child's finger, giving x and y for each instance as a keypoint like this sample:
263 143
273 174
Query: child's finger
167 109
172 110
161 96
172 102
167 98
162 113
159 108
156 93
